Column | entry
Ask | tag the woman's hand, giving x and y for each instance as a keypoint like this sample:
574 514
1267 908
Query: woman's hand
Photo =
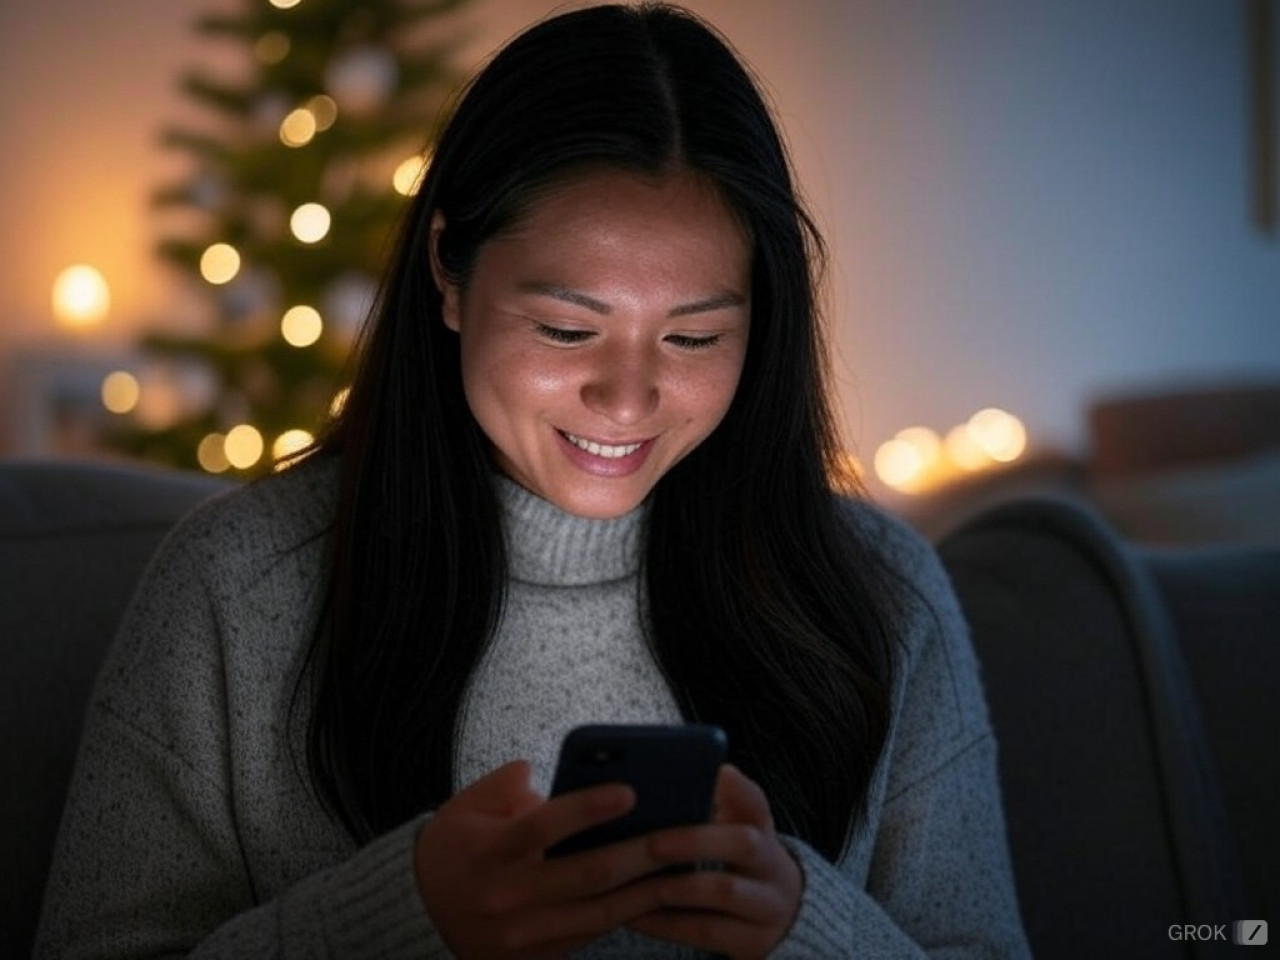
743 910
483 877
492 893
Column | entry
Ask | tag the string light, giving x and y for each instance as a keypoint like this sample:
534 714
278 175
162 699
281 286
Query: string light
298 128
120 391
325 109
999 434
220 263
211 453
81 297
301 326
310 222
408 176
289 443
243 446
285 4
917 459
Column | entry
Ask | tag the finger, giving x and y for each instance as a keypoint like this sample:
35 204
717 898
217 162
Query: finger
578 921
739 799
561 817
738 847
745 898
506 791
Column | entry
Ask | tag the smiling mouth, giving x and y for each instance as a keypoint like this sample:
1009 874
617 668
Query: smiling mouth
602 450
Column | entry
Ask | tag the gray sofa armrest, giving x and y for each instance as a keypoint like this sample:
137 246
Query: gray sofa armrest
74 539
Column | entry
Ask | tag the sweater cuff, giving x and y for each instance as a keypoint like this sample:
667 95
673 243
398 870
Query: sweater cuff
823 927
836 917
369 905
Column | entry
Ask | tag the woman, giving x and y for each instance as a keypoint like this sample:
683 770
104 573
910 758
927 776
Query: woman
587 472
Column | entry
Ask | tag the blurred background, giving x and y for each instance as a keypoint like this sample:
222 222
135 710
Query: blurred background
1054 248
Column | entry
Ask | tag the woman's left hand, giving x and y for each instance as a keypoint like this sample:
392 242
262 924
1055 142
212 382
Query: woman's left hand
742 910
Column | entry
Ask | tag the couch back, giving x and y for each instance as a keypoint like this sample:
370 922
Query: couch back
74 538
1132 692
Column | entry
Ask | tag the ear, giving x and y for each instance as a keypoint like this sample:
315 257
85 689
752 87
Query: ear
448 291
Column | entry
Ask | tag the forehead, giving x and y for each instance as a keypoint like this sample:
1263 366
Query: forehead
677 223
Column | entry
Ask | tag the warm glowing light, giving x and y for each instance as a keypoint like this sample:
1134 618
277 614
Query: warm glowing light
81 297
964 450
310 222
339 401
999 434
298 128
285 4
271 48
408 176
898 463
220 263
290 442
243 446
301 326
211 453
325 109
120 391
924 441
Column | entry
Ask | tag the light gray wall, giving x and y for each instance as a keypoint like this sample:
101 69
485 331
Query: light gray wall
1027 202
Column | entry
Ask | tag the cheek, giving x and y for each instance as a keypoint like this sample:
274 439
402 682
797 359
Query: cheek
512 378
707 394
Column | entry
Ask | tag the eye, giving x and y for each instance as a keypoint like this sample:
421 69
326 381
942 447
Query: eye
686 342
562 334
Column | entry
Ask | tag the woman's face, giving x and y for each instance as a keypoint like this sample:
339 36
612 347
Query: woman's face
603 336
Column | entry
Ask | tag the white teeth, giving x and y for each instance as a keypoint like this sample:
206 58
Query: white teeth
599 450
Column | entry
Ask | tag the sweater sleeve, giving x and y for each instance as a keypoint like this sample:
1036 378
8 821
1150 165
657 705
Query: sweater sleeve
150 859
938 881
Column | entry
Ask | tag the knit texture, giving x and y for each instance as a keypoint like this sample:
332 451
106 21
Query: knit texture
191 829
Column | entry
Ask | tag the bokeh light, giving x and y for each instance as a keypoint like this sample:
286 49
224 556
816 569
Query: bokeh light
120 391
963 450
271 48
211 454
898 463
301 326
220 263
310 222
290 442
325 109
999 434
81 297
298 128
408 176
243 446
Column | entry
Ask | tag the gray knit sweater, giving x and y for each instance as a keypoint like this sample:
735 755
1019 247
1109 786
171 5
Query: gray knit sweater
190 830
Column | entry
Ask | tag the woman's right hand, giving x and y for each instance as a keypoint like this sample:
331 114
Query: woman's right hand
483 877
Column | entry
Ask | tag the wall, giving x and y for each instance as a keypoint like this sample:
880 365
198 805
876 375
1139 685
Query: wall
1028 203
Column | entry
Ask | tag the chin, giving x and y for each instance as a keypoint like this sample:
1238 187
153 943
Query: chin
598 507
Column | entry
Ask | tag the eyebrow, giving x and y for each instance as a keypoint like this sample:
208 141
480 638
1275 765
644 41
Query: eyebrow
720 301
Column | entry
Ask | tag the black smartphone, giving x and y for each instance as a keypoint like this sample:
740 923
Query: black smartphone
672 769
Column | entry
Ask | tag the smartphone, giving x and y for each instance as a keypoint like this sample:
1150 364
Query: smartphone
672 769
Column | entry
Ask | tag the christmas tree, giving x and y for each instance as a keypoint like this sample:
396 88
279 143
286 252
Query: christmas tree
287 214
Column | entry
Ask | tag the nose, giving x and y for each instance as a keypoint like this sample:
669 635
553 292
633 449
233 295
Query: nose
622 385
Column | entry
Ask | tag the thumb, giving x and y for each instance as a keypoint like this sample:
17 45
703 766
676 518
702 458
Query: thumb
739 799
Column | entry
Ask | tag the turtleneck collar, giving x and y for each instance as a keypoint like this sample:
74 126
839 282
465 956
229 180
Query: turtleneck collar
550 547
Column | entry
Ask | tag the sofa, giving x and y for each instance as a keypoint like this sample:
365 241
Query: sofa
1133 692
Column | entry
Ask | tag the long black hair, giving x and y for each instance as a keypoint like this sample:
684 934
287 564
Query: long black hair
765 615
